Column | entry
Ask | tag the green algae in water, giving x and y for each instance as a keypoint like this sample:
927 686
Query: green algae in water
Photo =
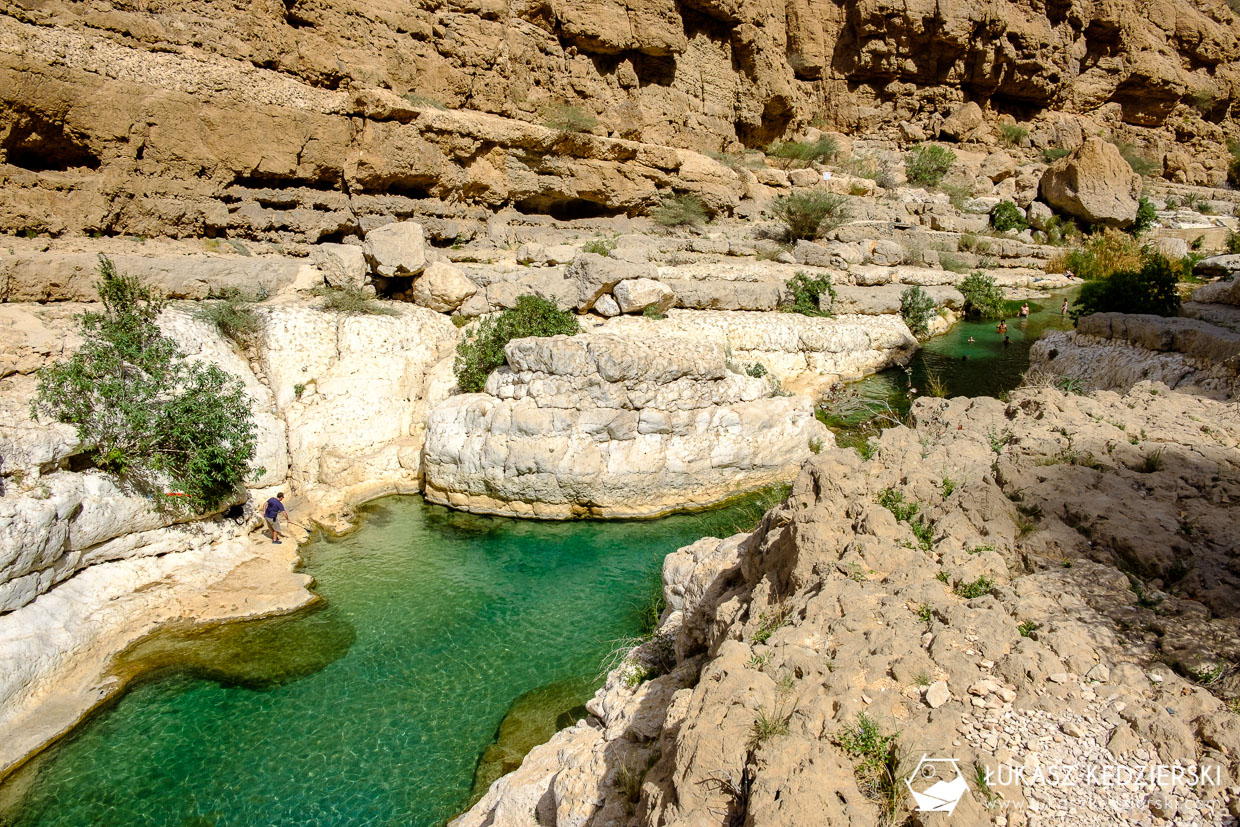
376 707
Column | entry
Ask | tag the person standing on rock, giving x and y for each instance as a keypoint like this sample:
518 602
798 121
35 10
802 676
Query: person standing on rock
271 514
1063 311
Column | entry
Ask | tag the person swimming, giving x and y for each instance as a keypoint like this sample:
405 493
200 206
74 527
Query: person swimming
971 340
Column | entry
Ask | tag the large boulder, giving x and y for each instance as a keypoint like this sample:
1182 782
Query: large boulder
396 249
342 265
635 295
593 275
442 287
1094 183
963 124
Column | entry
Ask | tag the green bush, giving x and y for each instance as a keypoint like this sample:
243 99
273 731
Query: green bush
1013 134
1007 216
810 214
1233 242
566 117
145 412
1146 216
680 210
807 292
1149 289
917 308
482 350
926 164
352 300
599 246
983 297
1101 255
231 312
803 152
1233 168
1052 154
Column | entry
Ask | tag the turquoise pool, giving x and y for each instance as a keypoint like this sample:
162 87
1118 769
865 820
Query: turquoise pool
374 708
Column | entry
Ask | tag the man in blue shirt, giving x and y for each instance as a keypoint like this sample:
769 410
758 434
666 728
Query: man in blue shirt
275 507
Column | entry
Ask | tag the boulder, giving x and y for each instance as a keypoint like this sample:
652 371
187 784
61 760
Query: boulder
593 275
962 124
804 177
885 253
1226 265
1173 248
635 295
808 252
998 166
396 249
1039 215
1094 183
442 287
342 265
606 306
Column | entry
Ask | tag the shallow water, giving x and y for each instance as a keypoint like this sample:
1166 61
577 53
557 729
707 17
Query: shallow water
374 708
989 367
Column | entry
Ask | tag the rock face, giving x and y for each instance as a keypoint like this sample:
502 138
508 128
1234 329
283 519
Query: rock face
1026 621
607 426
119 121
1094 183
1115 351
635 295
396 249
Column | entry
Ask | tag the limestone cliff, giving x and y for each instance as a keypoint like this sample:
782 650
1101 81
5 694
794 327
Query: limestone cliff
314 120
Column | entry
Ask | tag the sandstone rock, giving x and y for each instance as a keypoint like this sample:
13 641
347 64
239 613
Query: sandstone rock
804 178
635 295
1039 215
1225 266
771 177
964 123
442 287
396 249
593 275
998 166
884 253
1094 183
938 694
342 265
606 306
725 295
1172 248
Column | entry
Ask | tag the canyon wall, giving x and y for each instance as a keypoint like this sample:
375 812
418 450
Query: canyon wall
317 120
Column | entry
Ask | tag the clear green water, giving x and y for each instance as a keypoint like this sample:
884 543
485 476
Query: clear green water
374 708
989 367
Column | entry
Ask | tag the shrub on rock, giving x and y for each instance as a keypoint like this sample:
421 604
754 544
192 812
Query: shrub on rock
1148 289
679 211
926 164
145 412
482 350
917 308
983 297
807 292
1007 216
807 215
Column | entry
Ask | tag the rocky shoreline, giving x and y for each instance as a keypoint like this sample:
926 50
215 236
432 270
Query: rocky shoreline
986 587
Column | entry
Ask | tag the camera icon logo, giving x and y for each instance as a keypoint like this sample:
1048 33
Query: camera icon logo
937 785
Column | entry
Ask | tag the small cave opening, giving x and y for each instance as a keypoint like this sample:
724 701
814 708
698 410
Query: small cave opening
566 209
395 288
40 145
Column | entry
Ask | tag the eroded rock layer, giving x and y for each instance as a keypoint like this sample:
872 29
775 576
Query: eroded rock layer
1046 582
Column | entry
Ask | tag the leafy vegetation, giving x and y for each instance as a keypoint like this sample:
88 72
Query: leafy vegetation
768 724
878 764
1150 288
917 308
1007 216
809 214
599 246
1013 134
681 210
926 164
143 411
769 622
977 588
1233 168
807 292
231 312
350 299
1052 154
823 150
482 350
983 298
1146 216
1101 255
